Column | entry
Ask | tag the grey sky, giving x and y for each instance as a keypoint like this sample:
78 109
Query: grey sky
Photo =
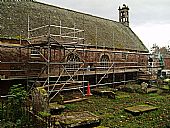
149 19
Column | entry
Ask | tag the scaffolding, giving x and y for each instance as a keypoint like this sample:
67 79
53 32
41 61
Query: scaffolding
60 60
65 42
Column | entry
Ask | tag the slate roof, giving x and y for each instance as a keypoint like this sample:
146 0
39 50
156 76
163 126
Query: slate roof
112 34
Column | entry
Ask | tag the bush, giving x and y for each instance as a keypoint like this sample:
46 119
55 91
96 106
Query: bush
13 111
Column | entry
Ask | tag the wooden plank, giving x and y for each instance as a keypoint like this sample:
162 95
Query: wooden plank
74 100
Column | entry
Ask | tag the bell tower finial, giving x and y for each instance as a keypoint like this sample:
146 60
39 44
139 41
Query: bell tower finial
124 15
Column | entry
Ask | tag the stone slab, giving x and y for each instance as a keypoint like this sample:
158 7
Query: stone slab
79 120
108 93
152 90
138 109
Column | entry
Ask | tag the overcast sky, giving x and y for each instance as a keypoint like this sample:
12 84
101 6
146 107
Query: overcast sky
149 19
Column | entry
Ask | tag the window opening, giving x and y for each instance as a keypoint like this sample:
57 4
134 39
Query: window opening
72 64
104 61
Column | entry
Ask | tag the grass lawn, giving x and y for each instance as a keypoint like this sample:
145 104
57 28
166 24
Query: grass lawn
113 115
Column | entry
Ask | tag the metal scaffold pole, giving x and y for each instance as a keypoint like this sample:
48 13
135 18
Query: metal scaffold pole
49 54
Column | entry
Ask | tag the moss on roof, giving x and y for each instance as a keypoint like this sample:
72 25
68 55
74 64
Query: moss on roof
110 33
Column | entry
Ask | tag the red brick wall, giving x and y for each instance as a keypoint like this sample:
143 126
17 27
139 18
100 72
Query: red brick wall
167 63
60 55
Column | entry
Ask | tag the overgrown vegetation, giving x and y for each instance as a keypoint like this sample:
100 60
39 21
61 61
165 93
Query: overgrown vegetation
12 110
114 116
111 111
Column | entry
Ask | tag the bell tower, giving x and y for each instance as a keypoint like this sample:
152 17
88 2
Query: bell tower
124 15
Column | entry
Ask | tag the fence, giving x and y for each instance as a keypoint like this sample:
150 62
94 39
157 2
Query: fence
17 114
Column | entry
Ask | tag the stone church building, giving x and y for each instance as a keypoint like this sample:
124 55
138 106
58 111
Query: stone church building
53 45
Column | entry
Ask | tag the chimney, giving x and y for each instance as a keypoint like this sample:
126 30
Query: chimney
124 15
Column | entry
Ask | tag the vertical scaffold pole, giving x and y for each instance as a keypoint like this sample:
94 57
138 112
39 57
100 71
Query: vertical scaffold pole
48 59
96 56
28 29
113 81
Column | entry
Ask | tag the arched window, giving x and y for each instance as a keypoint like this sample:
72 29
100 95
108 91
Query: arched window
72 64
104 61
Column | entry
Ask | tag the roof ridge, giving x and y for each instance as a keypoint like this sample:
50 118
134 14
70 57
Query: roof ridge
75 11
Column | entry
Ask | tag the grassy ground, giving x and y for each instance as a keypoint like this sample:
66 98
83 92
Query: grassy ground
113 115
